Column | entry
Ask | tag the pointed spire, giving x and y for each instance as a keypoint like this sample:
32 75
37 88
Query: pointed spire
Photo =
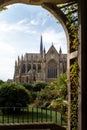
60 50
44 50
18 59
15 63
41 46
22 57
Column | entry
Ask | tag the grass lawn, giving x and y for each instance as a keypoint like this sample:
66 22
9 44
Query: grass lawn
31 114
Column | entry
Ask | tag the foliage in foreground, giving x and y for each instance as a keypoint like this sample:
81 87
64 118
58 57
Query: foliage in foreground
13 95
54 94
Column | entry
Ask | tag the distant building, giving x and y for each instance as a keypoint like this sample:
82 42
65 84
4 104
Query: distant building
40 66
9 80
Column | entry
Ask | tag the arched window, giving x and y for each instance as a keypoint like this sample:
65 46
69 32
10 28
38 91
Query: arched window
23 68
29 67
34 66
52 69
39 67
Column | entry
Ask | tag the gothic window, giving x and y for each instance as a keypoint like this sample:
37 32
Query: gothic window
52 69
27 79
64 67
34 67
39 67
29 67
23 68
17 70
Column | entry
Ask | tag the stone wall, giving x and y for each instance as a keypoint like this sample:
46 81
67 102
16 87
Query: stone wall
32 126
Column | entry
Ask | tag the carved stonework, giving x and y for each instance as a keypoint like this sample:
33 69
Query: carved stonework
39 66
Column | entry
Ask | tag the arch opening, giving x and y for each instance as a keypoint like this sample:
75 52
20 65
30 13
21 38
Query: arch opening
45 35
62 18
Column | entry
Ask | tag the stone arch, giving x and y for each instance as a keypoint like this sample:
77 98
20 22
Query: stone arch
32 2
50 5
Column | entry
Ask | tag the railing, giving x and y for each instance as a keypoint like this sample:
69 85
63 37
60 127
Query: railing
29 115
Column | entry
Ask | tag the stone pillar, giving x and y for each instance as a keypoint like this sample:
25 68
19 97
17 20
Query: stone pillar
26 67
82 60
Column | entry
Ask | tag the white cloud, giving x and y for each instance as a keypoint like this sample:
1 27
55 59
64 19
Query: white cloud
50 35
6 69
34 22
20 36
23 26
39 19
6 48
18 26
57 38
31 32
23 21
7 58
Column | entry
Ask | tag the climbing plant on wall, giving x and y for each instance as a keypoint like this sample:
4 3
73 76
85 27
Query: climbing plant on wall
74 95
74 69
70 10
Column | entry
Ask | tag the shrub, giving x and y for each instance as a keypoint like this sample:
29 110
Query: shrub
39 85
13 95
28 86
1 82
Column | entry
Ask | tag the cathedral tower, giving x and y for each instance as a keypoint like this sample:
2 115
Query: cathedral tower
42 66
41 46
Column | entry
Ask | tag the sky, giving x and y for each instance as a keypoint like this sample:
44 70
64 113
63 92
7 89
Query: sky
21 27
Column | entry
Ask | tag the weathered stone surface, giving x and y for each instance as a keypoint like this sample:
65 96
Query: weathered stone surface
32 2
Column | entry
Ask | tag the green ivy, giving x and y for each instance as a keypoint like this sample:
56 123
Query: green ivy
74 69
73 29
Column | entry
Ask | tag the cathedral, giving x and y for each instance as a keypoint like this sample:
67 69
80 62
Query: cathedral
42 66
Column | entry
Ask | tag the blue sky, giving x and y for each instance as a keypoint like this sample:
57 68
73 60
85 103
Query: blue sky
21 27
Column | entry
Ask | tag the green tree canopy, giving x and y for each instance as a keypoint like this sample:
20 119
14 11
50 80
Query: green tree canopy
13 95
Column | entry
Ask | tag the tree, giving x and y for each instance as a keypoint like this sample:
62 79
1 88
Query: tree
62 85
13 95
61 101
45 96
39 85
28 86
1 82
